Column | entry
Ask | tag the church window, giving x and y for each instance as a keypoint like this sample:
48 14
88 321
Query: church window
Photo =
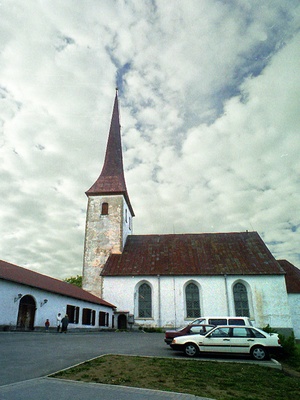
104 209
145 301
192 301
241 303
126 215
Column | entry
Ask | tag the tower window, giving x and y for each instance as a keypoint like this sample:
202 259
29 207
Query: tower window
104 209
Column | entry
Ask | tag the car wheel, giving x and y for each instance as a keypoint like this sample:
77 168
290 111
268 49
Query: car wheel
191 350
259 353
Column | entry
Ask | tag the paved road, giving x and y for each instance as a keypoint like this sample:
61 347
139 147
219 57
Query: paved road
27 358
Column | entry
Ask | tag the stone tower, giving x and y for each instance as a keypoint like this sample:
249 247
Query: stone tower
109 212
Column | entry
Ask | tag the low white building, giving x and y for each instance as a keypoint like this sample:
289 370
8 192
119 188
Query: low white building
29 298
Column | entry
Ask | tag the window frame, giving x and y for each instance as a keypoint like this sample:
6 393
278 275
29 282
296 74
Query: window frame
88 317
73 313
241 300
192 311
104 208
145 312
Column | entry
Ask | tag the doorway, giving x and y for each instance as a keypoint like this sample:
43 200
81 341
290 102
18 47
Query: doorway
26 313
122 321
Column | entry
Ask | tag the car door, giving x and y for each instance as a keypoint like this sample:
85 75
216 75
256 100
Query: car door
217 341
241 339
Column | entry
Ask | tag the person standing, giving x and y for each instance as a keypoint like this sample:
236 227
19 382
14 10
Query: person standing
58 321
47 324
64 323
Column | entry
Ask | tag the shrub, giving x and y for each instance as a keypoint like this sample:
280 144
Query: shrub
268 329
288 343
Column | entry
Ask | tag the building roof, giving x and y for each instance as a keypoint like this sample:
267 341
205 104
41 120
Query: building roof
242 253
292 277
112 180
13 273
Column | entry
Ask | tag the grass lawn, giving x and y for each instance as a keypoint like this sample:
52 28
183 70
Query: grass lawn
221 381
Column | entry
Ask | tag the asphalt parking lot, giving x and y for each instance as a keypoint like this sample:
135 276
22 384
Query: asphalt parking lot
35 354
26 356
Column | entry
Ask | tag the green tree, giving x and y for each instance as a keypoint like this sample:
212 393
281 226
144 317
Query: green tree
74 280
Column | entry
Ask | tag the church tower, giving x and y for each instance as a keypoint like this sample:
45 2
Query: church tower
109 212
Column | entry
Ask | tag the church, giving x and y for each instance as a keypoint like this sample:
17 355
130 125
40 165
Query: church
167 280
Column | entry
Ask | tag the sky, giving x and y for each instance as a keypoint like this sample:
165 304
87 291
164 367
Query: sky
209 96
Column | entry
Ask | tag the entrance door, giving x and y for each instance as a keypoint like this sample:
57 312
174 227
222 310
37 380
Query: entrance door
26 313
122 321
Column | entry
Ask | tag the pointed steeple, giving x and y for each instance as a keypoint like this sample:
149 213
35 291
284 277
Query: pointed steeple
111 180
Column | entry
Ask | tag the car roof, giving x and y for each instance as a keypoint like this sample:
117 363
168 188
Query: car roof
235 326
221 317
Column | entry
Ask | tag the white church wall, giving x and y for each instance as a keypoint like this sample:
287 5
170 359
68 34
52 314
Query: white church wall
268 302
168 297
174 301
294 302
268 299
9 306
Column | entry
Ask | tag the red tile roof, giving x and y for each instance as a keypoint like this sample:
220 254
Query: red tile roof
13 273
111 179
193 254
292 276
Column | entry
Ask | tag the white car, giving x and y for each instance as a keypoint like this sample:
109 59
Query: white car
230 339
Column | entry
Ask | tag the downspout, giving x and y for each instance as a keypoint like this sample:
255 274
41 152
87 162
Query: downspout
159 310
226 291
175 312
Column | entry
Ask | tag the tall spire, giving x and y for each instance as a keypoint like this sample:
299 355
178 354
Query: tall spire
112 180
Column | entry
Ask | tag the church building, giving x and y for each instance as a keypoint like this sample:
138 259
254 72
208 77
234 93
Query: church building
169 280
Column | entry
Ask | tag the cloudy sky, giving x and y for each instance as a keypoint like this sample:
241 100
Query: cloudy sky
209 103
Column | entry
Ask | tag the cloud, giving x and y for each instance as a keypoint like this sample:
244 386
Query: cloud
209 112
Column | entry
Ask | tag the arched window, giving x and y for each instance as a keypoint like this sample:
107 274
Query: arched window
241 303
192 301
104 209
145 301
